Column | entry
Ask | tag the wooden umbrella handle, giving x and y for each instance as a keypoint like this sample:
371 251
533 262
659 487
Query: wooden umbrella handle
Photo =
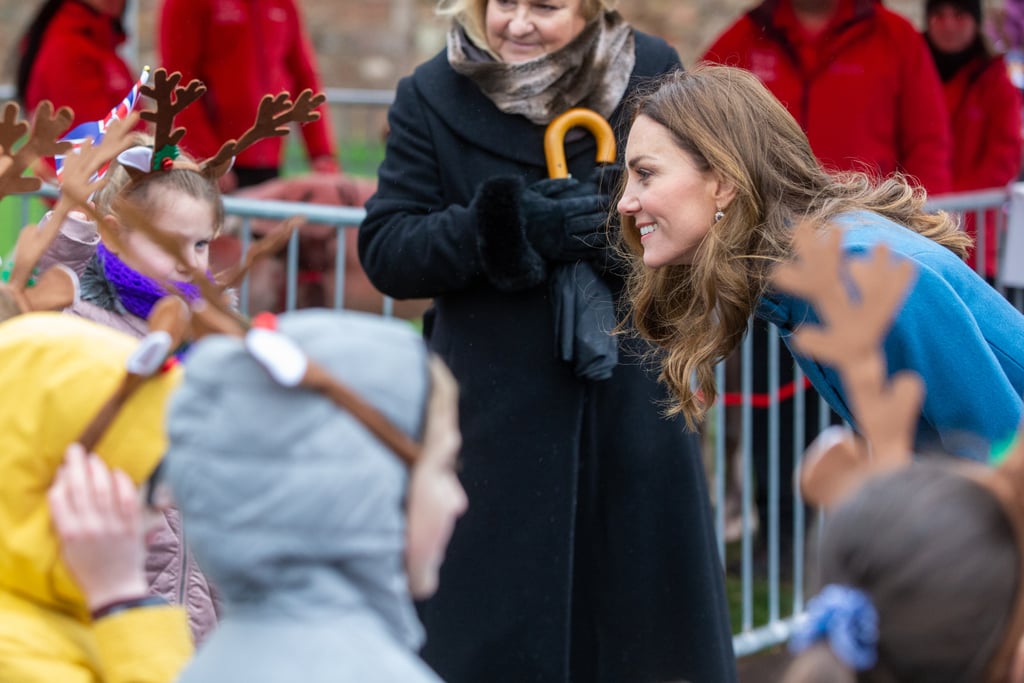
554 139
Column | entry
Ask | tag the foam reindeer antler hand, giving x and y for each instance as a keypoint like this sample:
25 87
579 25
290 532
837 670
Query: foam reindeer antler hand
272 118
851 339
79 181
854 327
269 245
57 288
306 105
170 99
44 140
12 129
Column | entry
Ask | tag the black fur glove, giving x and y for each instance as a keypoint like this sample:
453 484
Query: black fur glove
506 255
564 219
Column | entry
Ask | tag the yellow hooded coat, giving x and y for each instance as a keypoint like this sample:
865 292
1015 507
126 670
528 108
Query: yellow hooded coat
56 371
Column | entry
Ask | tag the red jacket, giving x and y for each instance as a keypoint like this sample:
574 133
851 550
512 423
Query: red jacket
986 112
242 50
865 89
77 64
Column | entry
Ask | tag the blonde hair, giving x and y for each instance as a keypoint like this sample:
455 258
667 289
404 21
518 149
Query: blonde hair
470 15
732 126
184 177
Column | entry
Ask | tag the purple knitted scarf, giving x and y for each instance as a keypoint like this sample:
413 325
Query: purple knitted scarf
137 293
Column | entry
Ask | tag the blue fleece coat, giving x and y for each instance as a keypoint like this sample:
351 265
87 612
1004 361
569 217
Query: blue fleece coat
957 332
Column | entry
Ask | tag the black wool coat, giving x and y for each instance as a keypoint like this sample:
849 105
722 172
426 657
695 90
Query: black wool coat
588 549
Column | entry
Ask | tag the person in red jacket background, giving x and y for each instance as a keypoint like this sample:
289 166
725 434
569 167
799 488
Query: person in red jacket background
68 55
241 50
856 76
984 106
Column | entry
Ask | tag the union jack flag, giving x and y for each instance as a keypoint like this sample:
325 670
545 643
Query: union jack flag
95 130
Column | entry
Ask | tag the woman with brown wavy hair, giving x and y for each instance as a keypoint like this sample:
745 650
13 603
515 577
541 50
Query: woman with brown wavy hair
719 175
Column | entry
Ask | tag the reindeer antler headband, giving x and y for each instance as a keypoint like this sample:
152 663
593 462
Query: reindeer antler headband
273 116
886 409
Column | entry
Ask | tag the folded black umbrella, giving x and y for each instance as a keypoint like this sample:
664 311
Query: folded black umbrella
584 319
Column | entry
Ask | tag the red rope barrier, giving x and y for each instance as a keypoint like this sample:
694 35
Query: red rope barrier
786 392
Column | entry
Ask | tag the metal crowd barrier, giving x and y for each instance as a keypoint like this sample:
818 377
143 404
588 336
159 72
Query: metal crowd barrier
780 599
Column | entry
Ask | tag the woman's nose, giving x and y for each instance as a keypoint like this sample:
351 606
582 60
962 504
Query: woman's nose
520 24
629 204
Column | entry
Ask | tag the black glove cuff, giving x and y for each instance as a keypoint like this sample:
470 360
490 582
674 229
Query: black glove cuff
509 261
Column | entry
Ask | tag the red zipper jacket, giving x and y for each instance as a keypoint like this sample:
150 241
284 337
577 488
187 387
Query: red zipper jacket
865 89
242 50
986 113
985 109
78 66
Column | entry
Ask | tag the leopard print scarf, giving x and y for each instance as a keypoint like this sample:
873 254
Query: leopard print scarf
591 71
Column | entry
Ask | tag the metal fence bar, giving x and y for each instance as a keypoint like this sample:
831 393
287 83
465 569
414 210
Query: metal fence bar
292 272
243 300
720 456
799 520
340 253
774 433
747 567
981 235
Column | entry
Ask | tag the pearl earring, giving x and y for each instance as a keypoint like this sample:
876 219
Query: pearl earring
719 215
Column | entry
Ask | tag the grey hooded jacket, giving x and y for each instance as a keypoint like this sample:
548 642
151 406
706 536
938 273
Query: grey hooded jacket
296 511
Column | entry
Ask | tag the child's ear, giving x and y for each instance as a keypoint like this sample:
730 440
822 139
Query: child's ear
110 230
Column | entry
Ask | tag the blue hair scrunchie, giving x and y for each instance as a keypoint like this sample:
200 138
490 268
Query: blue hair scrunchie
845 618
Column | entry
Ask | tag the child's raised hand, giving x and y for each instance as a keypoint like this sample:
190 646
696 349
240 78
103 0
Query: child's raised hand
97 515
